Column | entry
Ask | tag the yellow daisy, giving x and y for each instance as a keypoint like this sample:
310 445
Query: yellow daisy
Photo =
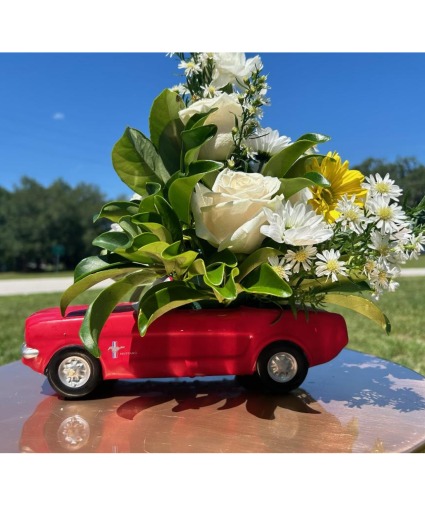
342 182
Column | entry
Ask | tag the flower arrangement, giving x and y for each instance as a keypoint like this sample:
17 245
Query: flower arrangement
227 211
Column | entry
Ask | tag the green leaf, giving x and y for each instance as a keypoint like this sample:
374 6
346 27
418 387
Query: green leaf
165 108
281 162
204 166
163 298
362 306
176 261
170 146
87 282
137 162
93 264
265 281
180 194
291 186
99 310
254 260
229 290
309 163
198 119
193 139
161 232
115 210
113 240
169 218
343 285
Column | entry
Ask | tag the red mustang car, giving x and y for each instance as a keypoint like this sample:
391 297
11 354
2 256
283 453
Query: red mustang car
270 347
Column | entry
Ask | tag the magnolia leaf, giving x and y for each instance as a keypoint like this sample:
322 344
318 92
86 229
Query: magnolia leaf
147 217
193 139
169 218
215 274
93 264
99 310
291 186
161 232
255 259
265 281
343 285
113 211
170 145
198 119
225 256
280 163
165 108
113 241
204 166
176 261
87 282
164 297
309 163
137 162
229 290
180 194
360 305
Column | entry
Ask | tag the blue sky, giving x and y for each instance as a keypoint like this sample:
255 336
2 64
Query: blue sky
61 113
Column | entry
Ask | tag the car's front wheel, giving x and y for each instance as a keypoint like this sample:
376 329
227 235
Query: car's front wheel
282 367
74 373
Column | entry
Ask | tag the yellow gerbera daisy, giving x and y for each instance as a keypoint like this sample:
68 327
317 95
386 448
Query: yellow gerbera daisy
342 182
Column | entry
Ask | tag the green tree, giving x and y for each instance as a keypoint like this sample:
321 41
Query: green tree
407 173
36 221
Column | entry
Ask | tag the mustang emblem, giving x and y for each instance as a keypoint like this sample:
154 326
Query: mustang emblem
114 348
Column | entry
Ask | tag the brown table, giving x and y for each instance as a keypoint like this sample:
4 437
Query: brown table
355 404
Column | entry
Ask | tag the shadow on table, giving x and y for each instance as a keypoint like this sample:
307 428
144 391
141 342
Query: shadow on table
193 416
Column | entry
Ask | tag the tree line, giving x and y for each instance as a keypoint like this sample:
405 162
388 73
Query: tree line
47 227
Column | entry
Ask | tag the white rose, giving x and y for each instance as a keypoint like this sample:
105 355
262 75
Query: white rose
228 107
230 216
232 67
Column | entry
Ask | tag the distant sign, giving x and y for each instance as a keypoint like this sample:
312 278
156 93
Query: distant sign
58 250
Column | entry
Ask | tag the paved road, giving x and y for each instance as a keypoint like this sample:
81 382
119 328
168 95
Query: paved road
46 285
38 285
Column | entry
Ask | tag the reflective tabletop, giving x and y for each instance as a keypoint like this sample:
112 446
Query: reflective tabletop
356 403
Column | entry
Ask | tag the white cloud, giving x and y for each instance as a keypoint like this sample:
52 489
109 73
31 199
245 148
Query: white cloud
58 116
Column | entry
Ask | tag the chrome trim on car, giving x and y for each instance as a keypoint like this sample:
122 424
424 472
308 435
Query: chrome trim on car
28 352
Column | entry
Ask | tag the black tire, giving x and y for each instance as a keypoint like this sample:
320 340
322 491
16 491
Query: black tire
282 367
74 373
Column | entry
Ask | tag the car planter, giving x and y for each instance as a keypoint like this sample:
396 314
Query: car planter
270 348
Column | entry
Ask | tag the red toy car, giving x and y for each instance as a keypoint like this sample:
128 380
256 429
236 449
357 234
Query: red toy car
262 346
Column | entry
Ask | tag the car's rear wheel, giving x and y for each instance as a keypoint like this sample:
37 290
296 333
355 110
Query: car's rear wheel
282 367
74 373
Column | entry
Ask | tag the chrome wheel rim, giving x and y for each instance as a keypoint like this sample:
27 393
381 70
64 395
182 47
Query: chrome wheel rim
74 371
282 367
73 433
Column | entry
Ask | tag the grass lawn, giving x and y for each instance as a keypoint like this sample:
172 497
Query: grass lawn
405 345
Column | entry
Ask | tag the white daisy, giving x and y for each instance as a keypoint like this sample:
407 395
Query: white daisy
382 187
389 218
210 91
280 267
351 215
267 141
415 246
301 257
381 279
328 265
189 67
296 225
180 89
382 244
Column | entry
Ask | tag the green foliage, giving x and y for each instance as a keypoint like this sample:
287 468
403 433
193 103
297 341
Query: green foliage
35 219
407 173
